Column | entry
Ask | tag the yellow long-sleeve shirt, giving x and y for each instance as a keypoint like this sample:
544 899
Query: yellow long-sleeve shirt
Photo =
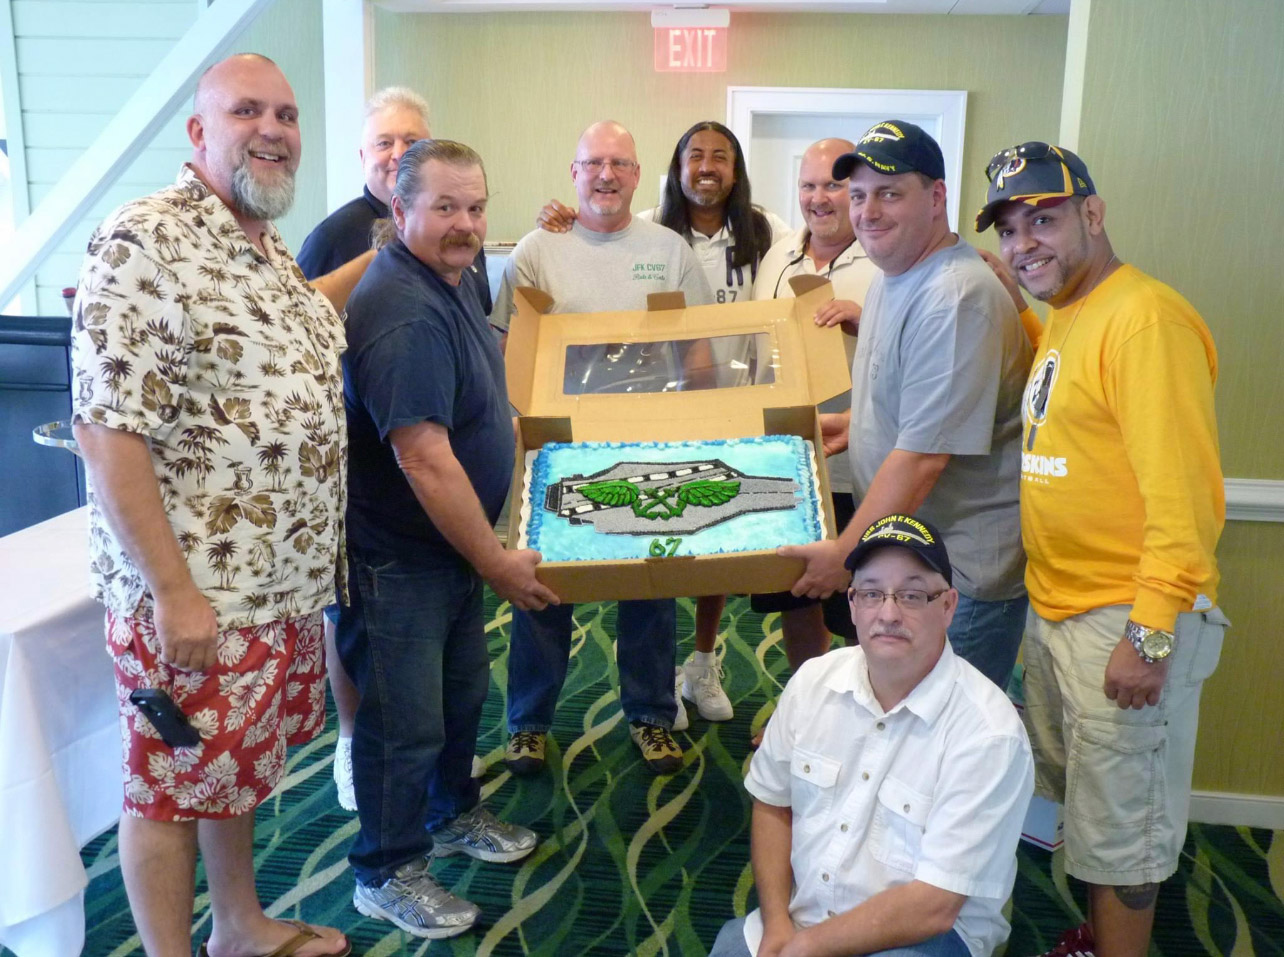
1122 500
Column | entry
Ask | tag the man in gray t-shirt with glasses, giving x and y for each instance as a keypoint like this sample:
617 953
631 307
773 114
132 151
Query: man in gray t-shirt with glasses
610 260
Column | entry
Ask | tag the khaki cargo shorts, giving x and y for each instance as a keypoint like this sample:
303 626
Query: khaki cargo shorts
1123 775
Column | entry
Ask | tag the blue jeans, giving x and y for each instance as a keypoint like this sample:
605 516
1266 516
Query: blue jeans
645 648
731 943
413 640
987 634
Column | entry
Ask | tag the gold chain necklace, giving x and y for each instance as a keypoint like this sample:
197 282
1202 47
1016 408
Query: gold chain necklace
1039 403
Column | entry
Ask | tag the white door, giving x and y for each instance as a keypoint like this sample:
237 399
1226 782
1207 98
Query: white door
775 125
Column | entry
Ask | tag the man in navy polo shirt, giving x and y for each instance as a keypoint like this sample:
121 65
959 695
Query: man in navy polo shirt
395 117
431 456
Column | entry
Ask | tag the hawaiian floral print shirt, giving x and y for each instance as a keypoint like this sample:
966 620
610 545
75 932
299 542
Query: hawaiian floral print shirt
228 362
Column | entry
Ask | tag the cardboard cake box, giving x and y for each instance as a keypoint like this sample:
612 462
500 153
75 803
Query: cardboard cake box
797 365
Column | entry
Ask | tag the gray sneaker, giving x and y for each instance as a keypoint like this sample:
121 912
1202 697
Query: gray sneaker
478 833
416 903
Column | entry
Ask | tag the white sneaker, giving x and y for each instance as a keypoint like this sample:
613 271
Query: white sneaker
704 687
343 774
681 722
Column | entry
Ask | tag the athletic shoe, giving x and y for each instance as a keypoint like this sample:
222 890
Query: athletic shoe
659 750
479 767
1074 943
681 722
525 752
478 833
416 903
704 687
343 774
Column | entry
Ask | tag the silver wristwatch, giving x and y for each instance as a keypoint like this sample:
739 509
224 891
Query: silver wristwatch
1151 644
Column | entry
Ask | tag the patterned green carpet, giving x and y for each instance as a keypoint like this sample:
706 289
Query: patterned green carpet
634 864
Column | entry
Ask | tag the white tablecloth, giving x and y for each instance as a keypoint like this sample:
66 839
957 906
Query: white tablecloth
59 736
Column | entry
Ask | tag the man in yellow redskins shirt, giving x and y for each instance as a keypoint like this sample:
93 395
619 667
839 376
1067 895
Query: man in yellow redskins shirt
1122 503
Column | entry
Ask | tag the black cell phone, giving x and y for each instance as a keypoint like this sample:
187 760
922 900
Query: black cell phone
170 723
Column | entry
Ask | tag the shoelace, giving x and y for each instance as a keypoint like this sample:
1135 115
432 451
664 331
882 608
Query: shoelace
710 678
525 741
421 884
656 737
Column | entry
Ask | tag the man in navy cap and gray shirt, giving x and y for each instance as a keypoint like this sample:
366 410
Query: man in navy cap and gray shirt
935 420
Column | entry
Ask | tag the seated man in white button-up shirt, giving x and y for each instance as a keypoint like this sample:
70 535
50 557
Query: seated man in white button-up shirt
891 784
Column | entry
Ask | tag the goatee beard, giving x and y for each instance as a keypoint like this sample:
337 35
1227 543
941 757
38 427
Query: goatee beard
261 201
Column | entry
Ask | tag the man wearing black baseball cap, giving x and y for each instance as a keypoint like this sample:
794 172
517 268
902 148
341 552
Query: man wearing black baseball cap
935 421
866 835
1122 504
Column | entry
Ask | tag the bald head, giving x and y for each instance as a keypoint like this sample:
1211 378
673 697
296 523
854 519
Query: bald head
245 137
218 74
606 174
823 199
828 150
605 131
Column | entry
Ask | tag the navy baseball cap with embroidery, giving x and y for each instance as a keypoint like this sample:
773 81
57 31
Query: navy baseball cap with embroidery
904 531
1034 173
892 147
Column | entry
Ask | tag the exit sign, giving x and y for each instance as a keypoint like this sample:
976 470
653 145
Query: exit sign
691 49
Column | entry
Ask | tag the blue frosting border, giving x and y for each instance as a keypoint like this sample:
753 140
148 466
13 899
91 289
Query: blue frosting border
803 476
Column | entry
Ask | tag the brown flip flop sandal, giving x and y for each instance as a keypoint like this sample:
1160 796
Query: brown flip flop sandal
291 946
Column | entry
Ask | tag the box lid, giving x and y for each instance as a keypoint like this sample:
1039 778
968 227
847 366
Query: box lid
807 365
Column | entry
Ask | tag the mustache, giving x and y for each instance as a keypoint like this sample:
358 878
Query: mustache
890 633
460 241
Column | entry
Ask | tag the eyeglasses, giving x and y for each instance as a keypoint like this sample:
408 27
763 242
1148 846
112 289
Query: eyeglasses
1034 150
909 599
617 165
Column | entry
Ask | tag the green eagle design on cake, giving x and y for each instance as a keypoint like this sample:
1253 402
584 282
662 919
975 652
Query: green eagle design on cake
643 498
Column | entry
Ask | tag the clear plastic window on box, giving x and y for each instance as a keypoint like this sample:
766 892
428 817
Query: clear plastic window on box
681 365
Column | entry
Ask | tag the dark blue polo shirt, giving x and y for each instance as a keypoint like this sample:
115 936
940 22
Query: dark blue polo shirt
345 234
419 350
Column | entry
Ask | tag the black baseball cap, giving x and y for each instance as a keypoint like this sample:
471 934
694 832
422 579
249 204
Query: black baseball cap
1034 173
892 147
904 531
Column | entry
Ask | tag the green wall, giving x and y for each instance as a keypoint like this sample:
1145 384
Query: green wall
289 31
520 87
1183 129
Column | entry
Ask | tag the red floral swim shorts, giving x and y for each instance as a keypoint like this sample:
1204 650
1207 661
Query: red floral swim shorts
266 691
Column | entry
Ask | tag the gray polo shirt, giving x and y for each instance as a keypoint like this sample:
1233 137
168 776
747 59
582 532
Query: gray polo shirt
940 366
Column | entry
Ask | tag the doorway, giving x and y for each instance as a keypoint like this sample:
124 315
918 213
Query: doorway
777 124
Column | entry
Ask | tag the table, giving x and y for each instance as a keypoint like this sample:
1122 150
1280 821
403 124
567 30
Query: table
59 735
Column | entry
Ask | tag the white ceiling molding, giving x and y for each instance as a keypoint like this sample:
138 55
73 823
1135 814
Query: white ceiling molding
956 7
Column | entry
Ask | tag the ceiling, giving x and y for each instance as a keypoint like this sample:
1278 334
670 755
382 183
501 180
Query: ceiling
957 7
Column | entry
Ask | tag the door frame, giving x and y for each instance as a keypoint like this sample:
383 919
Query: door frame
948 107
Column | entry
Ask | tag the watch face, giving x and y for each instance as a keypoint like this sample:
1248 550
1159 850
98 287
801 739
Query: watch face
1157 644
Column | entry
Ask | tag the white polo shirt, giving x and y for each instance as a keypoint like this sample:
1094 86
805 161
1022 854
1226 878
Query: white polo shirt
714 252
850 273
934 790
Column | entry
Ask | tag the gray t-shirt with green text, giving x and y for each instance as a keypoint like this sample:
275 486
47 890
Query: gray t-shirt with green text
587 271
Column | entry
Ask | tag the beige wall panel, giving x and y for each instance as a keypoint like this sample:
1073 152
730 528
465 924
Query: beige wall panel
1183 130
1241 731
